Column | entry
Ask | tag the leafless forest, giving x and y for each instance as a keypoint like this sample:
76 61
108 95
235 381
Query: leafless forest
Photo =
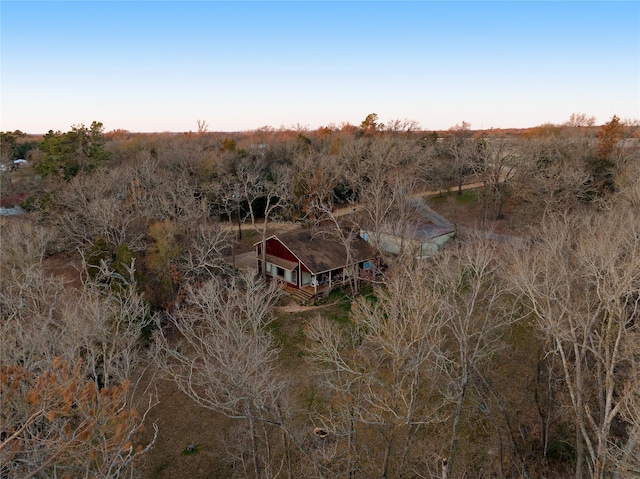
134 346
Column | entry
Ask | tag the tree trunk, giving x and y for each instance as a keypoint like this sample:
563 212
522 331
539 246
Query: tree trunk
445 468
412 430
387 457
456 420
254 445
579 453
351 445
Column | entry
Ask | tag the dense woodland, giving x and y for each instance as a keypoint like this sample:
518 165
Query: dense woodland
132 345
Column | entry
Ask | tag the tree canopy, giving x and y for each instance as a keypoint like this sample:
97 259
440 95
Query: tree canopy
66 154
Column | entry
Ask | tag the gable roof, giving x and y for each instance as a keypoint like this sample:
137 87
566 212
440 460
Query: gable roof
322 251
419 231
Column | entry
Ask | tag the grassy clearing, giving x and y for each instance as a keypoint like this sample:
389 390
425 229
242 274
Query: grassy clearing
191 450
468 197
336 307
439 199
288 326
288 331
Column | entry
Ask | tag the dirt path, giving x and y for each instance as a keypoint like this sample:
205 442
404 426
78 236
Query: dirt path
353 208
505 174
294 307
245 261
248 227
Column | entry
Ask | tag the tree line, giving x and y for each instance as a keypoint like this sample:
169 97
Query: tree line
491 358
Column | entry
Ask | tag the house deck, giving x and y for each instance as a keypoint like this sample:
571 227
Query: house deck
305 294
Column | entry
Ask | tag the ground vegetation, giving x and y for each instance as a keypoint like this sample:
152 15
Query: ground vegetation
138 342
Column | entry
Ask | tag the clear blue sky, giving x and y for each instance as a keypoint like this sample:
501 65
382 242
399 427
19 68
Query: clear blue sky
162 65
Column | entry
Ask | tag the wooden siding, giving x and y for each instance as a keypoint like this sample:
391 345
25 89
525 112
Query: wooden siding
276 248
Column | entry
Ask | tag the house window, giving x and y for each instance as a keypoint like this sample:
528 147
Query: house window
289 276
281 273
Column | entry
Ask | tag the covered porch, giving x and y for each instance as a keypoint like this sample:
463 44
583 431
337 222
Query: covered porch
311 264
316 286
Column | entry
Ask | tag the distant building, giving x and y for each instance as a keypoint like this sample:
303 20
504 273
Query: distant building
19 163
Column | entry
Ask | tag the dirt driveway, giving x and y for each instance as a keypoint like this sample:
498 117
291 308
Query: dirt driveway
246 261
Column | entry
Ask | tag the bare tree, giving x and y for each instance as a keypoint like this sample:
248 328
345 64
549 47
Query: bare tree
550 172
171 196
272 187
106 323
229 198
225 359
66 364
458 145
345 231
581 281
577 120
156 190
401 126
495 168
315 178
29 298
101 321
93 206
202 127
384 176
382 374
203 255
24 245
476 315
625 457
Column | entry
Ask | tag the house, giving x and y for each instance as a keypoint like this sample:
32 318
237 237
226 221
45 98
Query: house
309 263
423 239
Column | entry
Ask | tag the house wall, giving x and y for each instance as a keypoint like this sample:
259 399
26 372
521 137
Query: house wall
304 268
275 248
392 244
305 279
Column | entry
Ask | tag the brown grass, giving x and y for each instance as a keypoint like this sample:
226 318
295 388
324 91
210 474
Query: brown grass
182 423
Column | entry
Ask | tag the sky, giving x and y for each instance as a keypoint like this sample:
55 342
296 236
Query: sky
157 66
